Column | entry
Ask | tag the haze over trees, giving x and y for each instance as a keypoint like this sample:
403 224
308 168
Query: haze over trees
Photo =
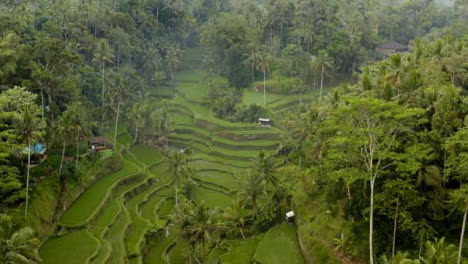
169 91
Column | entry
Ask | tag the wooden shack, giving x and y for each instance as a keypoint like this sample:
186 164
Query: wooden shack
265 122
387 48
97 143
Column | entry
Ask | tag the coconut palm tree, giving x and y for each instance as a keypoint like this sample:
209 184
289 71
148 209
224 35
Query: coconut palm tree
234 214
64 131
79 118
459 199
202 226
117 97
30 126
263 64
254 188
17 246
177 159
103 55
265 166
252 58
172 60
438 252
325 64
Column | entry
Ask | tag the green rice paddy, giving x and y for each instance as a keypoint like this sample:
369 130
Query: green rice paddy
108 222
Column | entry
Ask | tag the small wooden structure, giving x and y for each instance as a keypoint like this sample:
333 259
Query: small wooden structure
290 216
265 122
97 143
391 47
38 153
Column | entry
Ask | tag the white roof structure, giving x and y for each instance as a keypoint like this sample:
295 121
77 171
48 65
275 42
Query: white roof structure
290 214
264 119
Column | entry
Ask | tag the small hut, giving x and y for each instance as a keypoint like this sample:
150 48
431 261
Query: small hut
265 122
391 47
290 216
38 153
97 143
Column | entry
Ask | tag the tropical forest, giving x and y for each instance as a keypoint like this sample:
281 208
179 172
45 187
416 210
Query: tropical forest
233 131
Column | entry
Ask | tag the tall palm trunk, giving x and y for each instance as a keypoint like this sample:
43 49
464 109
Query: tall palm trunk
371 222
321 83
242 232
175 189
116 123
103 91
27 181
135 139
460 247
253 76
61 160
77 151
264 88
394 231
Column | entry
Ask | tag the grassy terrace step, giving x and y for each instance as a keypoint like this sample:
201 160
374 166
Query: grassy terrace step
157 248
222 142
101 226
146 154
279 246
211 198
88 204
73 248
104 254
225 180
241 251
135 236
241 164
116 234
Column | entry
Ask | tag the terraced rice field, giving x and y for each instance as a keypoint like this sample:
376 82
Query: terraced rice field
107 223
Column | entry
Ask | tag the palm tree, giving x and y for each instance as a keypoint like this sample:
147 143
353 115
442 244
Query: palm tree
234 214
172 60
459 199
117 97
263 64
325 63
30 126
136 118
64 131
78 117
177 159
17 247
438 252
103 55
252 58
265 166
202 225
254 187
400 258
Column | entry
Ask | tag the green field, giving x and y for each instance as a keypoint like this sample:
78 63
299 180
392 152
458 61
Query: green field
110 218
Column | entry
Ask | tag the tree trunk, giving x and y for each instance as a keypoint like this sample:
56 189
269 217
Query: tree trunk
242 232
371 221
42 101
27 181
116 123
394 231
77 152
321 83
460 247
264 89
103 90
253 76
61 161
135 139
